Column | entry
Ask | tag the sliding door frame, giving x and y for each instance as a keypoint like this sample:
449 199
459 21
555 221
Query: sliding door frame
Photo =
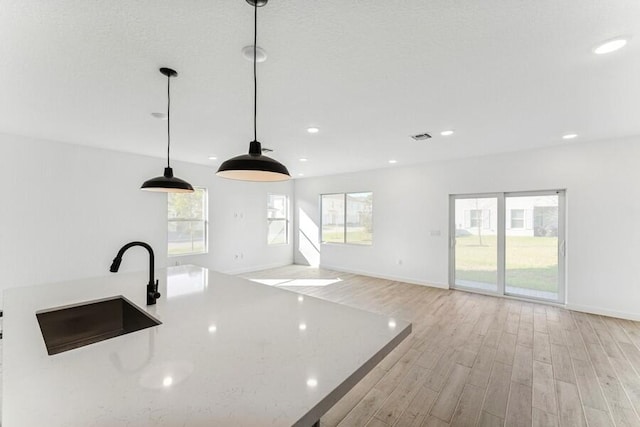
562 243
501 242
452 241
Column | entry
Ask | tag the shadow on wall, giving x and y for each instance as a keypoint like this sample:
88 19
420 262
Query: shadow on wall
308 244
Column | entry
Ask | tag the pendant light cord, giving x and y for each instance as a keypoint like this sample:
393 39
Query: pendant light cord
255 79
168 119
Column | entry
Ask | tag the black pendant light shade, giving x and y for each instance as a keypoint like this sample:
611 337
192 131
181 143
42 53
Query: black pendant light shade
254 166
167 183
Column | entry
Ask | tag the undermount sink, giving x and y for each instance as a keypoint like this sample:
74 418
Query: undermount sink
69 327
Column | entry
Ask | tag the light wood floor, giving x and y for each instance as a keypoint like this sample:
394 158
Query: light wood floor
474 360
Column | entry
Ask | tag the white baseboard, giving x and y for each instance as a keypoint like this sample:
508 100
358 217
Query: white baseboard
574 307
387 277
604 312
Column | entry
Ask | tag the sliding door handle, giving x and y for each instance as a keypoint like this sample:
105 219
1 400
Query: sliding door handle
563 247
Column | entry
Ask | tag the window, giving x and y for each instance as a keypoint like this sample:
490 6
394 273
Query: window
333 218
347 218
277 220
475 218
517 218
187 222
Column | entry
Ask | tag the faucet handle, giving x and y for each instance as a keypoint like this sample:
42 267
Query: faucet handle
156 294
152 293
152 296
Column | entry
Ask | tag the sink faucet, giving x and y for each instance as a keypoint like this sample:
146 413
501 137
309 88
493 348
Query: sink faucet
152 287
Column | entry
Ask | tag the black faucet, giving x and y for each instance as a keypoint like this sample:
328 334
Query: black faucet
152 287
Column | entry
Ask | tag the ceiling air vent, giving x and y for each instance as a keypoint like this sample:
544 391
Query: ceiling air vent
421 136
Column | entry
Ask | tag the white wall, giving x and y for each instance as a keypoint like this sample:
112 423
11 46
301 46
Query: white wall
66 210
603 210
238 232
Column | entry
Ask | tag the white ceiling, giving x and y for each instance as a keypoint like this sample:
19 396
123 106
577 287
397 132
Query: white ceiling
506 75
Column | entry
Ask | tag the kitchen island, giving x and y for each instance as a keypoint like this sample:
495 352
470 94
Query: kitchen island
229 352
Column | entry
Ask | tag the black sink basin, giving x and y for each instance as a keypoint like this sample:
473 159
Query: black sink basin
66 328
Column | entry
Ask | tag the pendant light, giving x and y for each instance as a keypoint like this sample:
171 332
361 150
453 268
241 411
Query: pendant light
168 183
254 166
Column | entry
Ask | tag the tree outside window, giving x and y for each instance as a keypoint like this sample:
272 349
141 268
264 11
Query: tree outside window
187 222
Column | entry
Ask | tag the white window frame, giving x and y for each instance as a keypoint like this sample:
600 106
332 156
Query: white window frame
523 219
344 225
475 218
285 219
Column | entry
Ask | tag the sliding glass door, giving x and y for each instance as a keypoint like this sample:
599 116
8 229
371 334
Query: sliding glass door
509 243
532 245
476 243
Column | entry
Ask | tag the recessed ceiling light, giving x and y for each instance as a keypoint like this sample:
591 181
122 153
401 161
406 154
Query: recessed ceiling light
313 130
446 133
570 136
300 174
159 116
610 46
303 159
213 158
393 161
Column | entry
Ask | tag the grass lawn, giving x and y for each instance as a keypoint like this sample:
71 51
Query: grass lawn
531 262
357 235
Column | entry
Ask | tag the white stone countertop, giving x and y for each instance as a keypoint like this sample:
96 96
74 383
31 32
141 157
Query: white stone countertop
229 352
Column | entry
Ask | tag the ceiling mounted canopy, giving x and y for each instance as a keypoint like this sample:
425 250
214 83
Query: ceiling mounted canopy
254 166
258 3
167 183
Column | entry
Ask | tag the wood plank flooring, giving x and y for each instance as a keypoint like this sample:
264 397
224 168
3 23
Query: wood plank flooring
475 360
